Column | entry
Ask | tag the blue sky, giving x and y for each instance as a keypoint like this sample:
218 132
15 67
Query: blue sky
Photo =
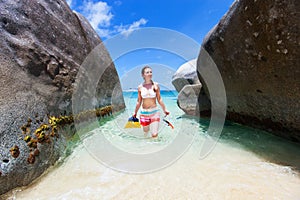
193 18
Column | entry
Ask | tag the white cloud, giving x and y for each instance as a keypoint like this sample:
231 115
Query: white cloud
104 33
99 14
128 29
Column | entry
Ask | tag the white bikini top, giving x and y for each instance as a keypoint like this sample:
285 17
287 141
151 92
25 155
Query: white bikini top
147 93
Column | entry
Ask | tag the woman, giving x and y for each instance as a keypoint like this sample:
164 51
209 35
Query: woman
148 93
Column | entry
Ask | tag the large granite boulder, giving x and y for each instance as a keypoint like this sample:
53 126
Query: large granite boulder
42 45
188 98
188 86
186 74
256 49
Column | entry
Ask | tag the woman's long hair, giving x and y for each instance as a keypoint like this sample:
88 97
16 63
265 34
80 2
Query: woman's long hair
143 71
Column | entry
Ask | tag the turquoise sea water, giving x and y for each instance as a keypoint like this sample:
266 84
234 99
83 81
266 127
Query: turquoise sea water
261 143
246 163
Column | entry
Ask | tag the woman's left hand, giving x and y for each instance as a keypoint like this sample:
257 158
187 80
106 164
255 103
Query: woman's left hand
166 112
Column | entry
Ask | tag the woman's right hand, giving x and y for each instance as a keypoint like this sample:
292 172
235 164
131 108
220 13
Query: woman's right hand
134 115
166 112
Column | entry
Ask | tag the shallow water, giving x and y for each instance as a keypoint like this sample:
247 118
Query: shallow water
246 163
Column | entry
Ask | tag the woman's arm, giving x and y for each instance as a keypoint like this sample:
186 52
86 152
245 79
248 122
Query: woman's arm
159 99
138 103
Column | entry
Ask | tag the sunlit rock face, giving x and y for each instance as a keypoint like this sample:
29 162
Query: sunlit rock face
188 86
42 46
186 74
256 49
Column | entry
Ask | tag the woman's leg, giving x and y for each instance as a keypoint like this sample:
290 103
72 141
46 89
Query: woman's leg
154 128
155 124
146 130
150 121
145 122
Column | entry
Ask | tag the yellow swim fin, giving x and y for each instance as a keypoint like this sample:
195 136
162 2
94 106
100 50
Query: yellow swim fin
133 122
133 125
